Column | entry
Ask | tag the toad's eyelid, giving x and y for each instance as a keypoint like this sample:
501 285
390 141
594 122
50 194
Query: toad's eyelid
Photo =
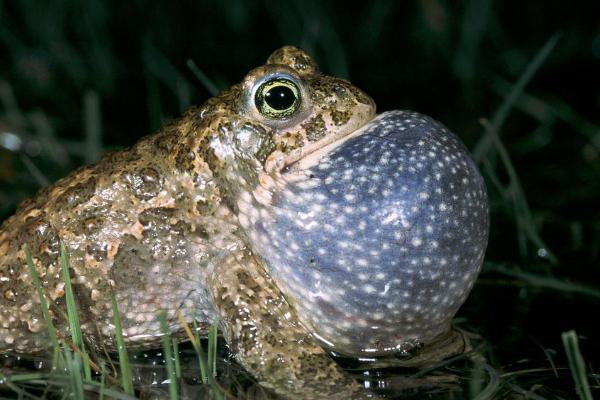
274 76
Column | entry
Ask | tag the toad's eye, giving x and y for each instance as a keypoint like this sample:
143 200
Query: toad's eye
277 98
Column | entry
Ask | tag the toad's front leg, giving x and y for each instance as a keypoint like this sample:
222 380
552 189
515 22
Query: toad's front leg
263 330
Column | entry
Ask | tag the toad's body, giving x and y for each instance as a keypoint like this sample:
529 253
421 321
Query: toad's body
187 220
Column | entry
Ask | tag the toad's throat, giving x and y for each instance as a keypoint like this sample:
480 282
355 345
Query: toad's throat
376 237
309 155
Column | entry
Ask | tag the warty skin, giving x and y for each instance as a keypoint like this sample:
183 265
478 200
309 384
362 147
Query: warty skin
205 217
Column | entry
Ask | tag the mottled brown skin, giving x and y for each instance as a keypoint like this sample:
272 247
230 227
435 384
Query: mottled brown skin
157 226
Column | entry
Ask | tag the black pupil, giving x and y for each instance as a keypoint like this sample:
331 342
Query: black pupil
280 97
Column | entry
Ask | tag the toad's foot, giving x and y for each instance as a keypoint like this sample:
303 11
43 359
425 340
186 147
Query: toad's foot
455 342
263 331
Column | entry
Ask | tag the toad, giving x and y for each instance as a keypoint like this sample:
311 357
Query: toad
285 209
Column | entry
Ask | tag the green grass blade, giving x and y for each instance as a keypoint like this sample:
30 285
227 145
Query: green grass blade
212 349
517 196
208 84
168 354
476 379
73 370
576 365
44 306
476 388
476 21
525 394
18 378
212 360
86 367
200 352
159 65
102 381
64 383
7 382
80 360
176 356
72 312
205 374
486 142
92 126
548 282
124 366
35 172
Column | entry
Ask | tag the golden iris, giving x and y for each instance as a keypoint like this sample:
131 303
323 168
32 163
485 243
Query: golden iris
277 98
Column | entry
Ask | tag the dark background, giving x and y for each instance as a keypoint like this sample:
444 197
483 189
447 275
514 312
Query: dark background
78 78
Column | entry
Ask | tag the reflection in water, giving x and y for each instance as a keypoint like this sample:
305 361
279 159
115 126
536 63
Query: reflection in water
381 376
459 377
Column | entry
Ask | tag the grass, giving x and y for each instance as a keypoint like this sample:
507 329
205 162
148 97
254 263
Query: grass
514 193
168 354
577 365
71 372
72 312
125 367
480 373
44 306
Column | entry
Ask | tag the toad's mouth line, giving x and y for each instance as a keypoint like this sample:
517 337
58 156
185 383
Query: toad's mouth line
309 155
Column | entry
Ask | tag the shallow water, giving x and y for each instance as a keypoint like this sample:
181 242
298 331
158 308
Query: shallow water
521 355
